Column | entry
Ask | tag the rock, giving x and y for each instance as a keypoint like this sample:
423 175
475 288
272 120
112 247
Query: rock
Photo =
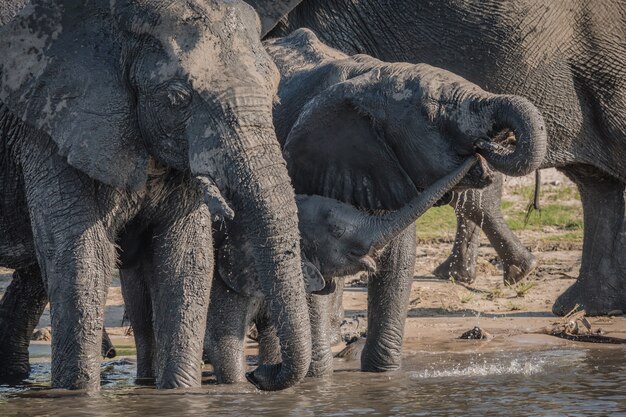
42 334
476 334
616 313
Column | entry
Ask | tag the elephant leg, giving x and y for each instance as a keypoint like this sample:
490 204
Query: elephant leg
320 311
183 269
387 304
337 312
20 309
138 305
601 284
108 350
461 264
228 321
482 208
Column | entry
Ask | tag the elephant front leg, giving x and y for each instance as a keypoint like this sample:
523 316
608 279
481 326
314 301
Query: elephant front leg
387 304
138 305
601 284
78 279
183 267
476 209
20 310
228 321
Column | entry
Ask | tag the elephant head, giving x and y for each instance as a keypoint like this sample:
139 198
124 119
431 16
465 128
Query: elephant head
370 132
116 84
337 238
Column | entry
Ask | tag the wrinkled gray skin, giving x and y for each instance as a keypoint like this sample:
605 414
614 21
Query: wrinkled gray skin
568 57
338 239
101 143
370 134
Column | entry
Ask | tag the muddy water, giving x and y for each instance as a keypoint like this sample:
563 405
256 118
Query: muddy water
541 383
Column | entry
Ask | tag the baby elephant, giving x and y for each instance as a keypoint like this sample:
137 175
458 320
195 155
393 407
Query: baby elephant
337 240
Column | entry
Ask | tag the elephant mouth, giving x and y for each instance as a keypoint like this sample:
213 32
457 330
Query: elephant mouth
479 176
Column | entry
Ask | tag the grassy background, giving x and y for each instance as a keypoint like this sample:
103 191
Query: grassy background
560 217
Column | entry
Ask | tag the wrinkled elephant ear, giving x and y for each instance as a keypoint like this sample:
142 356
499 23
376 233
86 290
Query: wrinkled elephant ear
337 149
64 78
271 11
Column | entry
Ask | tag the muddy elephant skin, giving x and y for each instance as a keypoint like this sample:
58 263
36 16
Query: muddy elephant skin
567 57
117 120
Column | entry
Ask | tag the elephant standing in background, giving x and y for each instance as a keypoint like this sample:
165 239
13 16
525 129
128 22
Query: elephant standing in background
371 134
117 120
567 56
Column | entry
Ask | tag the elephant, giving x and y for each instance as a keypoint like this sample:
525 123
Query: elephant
568 57
370 134
337 240
118 122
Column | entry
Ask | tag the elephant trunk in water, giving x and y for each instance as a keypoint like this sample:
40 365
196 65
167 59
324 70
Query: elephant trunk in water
261 194
389 226
519 115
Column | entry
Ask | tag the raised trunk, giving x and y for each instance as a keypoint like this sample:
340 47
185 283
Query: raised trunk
389 226
526 122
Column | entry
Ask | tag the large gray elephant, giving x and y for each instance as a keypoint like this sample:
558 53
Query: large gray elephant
371 134
567 56
116 118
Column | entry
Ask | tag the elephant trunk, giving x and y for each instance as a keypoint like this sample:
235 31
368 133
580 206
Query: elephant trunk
389 226
526 122
264 202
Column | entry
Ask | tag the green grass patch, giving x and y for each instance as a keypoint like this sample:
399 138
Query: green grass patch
438 222
564 217
560 210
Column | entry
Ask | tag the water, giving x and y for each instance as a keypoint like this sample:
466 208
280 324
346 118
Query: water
545 383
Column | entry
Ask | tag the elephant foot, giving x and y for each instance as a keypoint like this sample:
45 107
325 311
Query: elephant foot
600 296
515 272
13 368
456 270
375 360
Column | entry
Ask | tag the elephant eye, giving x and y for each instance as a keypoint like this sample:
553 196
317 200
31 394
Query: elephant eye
178 94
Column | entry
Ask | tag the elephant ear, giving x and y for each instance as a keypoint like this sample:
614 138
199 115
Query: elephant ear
271 11
337 149
61 73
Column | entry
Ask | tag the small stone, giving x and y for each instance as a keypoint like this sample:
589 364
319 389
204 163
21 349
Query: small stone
42 334
476 334
616 313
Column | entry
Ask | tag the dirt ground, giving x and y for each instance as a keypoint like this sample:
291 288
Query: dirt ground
440 311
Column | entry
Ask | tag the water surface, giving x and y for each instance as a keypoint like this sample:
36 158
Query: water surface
568 382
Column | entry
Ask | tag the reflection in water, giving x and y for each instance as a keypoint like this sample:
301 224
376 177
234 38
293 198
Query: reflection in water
556 382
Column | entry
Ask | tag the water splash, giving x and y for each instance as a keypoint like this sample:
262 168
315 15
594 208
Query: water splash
514 367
